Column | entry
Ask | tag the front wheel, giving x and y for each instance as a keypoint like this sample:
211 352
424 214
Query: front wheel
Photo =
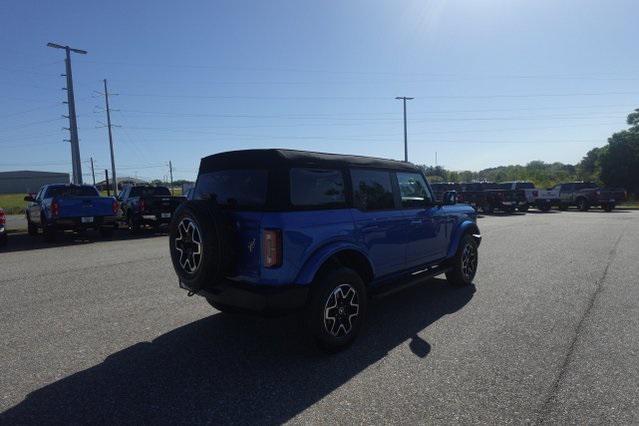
583 205
337 309
464 264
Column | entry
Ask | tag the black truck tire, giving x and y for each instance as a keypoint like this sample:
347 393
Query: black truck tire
32 228
583 205
134 223
464 264
563 206
49 233
523 207
544 206
201 243
608 207
337 309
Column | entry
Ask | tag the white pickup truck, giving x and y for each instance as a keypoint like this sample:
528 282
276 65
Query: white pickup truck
540 198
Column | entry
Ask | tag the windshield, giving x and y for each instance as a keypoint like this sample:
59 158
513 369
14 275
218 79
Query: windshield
72 191
233 188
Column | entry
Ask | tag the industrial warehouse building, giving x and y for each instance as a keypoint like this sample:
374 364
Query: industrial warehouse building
24 181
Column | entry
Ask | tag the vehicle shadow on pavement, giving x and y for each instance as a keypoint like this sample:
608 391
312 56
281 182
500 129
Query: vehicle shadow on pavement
234 369
25 242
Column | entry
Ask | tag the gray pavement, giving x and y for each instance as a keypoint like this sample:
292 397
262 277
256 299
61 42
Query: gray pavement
98 332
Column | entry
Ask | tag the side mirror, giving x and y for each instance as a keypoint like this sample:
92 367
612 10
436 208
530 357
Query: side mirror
29 198
449 198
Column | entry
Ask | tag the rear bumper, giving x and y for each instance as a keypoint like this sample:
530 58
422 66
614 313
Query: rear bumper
76 222
259 299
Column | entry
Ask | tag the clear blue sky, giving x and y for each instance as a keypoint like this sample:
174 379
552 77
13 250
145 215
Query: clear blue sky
495 82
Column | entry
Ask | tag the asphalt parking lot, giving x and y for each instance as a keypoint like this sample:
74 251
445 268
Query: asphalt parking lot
98 332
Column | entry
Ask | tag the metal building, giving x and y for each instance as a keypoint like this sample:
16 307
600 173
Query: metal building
24 181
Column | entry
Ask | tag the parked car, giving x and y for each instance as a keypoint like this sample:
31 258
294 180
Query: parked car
540 198
278 230
67 206
3 230
585 195
441 188
147 205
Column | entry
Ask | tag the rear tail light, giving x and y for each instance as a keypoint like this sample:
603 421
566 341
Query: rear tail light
115 207
142 205
3 218
272 248
55 209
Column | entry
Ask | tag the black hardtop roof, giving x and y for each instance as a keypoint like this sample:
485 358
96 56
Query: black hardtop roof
276 158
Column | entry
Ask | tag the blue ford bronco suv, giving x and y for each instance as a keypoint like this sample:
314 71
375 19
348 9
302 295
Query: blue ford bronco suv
278 230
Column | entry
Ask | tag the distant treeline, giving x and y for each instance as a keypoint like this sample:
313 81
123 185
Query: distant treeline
615 164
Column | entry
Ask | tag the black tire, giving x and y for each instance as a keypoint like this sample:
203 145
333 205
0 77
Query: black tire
544 207
341 294
32 228
106 232
563 206
201 244
134 223
523 207
49 233
583 205
464 264
509 209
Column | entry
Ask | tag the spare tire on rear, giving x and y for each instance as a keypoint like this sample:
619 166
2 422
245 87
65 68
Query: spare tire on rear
201 243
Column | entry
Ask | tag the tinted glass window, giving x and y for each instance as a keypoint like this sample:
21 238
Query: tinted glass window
233 188
149 191
317 187
525 185
413 190
372 189
72 191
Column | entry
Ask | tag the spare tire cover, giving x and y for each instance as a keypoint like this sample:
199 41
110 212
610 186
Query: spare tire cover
201 243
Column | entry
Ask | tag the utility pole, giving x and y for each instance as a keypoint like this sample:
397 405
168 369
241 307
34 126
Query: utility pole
92 171
73 122
404 98
435 158
106 176
171 175
108 112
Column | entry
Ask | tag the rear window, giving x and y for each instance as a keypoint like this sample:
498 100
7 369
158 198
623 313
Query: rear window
317 188
372 189
150 191
233 188
72 191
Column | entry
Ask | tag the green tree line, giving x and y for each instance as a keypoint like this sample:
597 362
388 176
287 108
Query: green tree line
615 164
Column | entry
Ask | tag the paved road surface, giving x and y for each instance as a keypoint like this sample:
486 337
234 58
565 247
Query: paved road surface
98 331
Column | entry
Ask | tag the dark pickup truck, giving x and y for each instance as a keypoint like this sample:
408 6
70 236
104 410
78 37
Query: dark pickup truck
147 205
486 196
585 195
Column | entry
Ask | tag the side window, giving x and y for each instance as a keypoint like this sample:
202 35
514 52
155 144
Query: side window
38 197
413 190
372 189
317 187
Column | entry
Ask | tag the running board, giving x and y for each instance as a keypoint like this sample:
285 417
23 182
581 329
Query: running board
417 277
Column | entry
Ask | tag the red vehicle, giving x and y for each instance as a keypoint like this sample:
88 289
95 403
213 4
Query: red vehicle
3 231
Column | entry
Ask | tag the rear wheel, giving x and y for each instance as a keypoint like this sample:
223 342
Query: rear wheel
583 204
544 206
464 264
32 228
49 233
337 309
523 207
134 223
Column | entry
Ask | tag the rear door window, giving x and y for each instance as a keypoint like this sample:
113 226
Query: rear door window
233 188
322 188
372 189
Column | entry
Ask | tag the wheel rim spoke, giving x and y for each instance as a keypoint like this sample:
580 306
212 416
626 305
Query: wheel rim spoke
341 310
188 245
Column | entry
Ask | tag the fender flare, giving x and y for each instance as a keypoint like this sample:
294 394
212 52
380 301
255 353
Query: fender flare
315 261
466 227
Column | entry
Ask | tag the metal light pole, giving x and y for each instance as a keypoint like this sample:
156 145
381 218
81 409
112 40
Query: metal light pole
108 111
73 123
404 98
